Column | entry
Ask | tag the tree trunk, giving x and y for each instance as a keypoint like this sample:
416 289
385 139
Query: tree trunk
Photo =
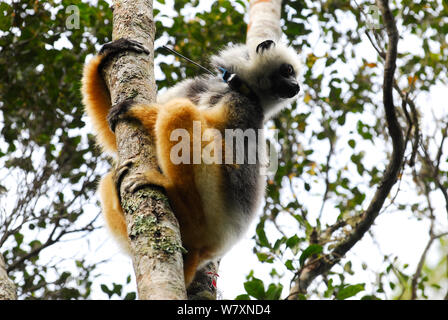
157 252
7 287
264 21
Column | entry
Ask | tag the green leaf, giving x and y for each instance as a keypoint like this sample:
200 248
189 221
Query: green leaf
293 241
243 297
265 257
301 296
19 238
352 143
117 289
348 268
274 292
312 249
307 186
255 288
330 289
106 290
262 238
349 291
130 296
370 297
289 265
278 243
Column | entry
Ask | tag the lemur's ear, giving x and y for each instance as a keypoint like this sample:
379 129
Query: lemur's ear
265 45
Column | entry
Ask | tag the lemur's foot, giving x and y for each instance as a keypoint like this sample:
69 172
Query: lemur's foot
112 49
123 44
121 171
265 45
136 182
116 112
143 179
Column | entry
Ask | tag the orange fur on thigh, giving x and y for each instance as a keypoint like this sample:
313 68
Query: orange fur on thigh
146 114
180 114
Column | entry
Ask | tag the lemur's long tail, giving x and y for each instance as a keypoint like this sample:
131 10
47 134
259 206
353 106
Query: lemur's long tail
97 103
113 213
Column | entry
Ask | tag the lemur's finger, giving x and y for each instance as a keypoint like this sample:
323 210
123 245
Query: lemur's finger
112 49
122 171
117 111
137 47
123 44
136 182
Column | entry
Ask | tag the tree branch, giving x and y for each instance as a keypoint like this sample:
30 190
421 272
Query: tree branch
327 178
391 173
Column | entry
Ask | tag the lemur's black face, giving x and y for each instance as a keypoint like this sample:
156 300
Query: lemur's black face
284 81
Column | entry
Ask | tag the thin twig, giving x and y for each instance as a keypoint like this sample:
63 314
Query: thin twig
421 262
327 178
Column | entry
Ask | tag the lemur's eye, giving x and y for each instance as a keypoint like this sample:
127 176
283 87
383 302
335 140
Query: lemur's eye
286 70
